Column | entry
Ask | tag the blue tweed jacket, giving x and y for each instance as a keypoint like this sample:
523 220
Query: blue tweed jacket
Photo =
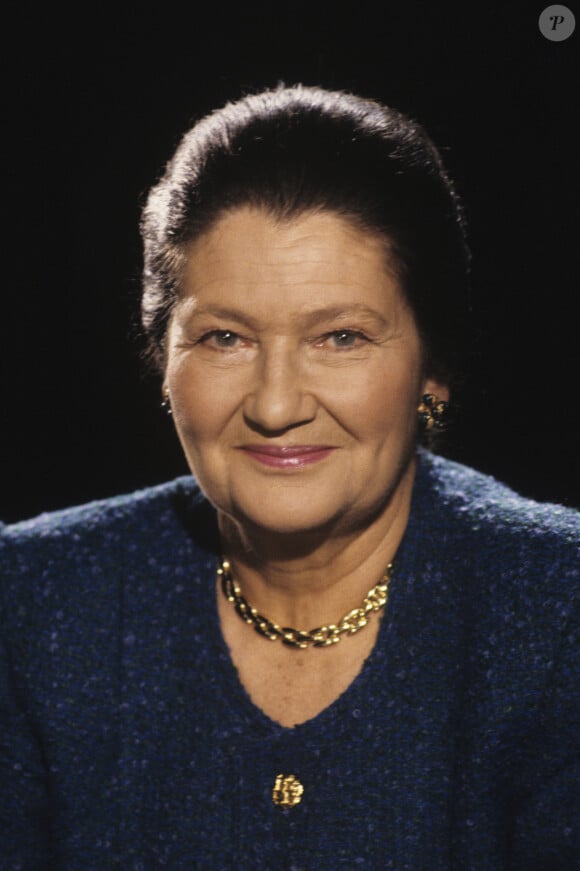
128 742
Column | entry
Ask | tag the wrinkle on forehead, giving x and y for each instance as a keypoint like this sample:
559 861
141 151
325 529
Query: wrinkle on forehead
250 245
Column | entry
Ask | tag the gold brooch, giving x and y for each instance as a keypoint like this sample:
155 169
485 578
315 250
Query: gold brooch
287 791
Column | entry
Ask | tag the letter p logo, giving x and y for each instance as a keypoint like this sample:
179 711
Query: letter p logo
557 23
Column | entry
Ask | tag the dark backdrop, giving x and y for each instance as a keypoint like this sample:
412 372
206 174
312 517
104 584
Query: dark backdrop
96 104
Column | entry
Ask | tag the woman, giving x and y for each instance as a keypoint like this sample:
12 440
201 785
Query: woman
341 650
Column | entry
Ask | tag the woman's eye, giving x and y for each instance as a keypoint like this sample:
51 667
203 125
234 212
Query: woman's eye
220 339
346 338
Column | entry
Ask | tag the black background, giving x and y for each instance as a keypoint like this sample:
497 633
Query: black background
98 100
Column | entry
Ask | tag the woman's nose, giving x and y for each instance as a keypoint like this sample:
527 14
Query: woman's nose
279 397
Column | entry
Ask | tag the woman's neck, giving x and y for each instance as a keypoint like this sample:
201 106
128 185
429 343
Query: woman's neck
315 577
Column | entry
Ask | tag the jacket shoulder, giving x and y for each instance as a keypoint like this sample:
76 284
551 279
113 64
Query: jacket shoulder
101 514
479 502
88 550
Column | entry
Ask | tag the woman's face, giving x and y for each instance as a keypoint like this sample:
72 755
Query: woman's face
294 369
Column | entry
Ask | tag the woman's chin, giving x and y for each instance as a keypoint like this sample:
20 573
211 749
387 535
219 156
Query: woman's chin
287 514
285 522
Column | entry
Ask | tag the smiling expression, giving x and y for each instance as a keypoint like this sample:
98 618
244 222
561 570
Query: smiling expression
295 368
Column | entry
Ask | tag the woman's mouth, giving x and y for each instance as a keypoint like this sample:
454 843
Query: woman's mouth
287 456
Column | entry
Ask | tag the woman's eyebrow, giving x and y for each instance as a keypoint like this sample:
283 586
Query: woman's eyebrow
225 312
308 317
336 312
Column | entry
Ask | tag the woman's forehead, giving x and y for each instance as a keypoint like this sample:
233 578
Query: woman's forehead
320 255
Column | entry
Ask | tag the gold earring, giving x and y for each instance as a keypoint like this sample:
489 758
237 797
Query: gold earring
166 402
433 412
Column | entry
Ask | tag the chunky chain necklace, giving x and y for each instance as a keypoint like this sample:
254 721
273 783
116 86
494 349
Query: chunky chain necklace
323 636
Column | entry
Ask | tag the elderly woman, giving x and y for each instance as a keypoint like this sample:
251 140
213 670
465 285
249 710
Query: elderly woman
329 648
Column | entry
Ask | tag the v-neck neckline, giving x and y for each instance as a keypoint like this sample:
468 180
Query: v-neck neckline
352 698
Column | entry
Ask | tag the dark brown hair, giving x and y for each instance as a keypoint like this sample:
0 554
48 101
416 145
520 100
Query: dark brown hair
292 150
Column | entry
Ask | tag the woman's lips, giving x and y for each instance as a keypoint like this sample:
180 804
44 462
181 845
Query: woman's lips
287 457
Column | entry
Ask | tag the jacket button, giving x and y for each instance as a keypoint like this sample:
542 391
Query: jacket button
287 791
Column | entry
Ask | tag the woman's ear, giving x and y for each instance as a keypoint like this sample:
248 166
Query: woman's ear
437 388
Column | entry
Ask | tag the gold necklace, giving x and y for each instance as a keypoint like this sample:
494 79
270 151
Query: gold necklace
323 636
